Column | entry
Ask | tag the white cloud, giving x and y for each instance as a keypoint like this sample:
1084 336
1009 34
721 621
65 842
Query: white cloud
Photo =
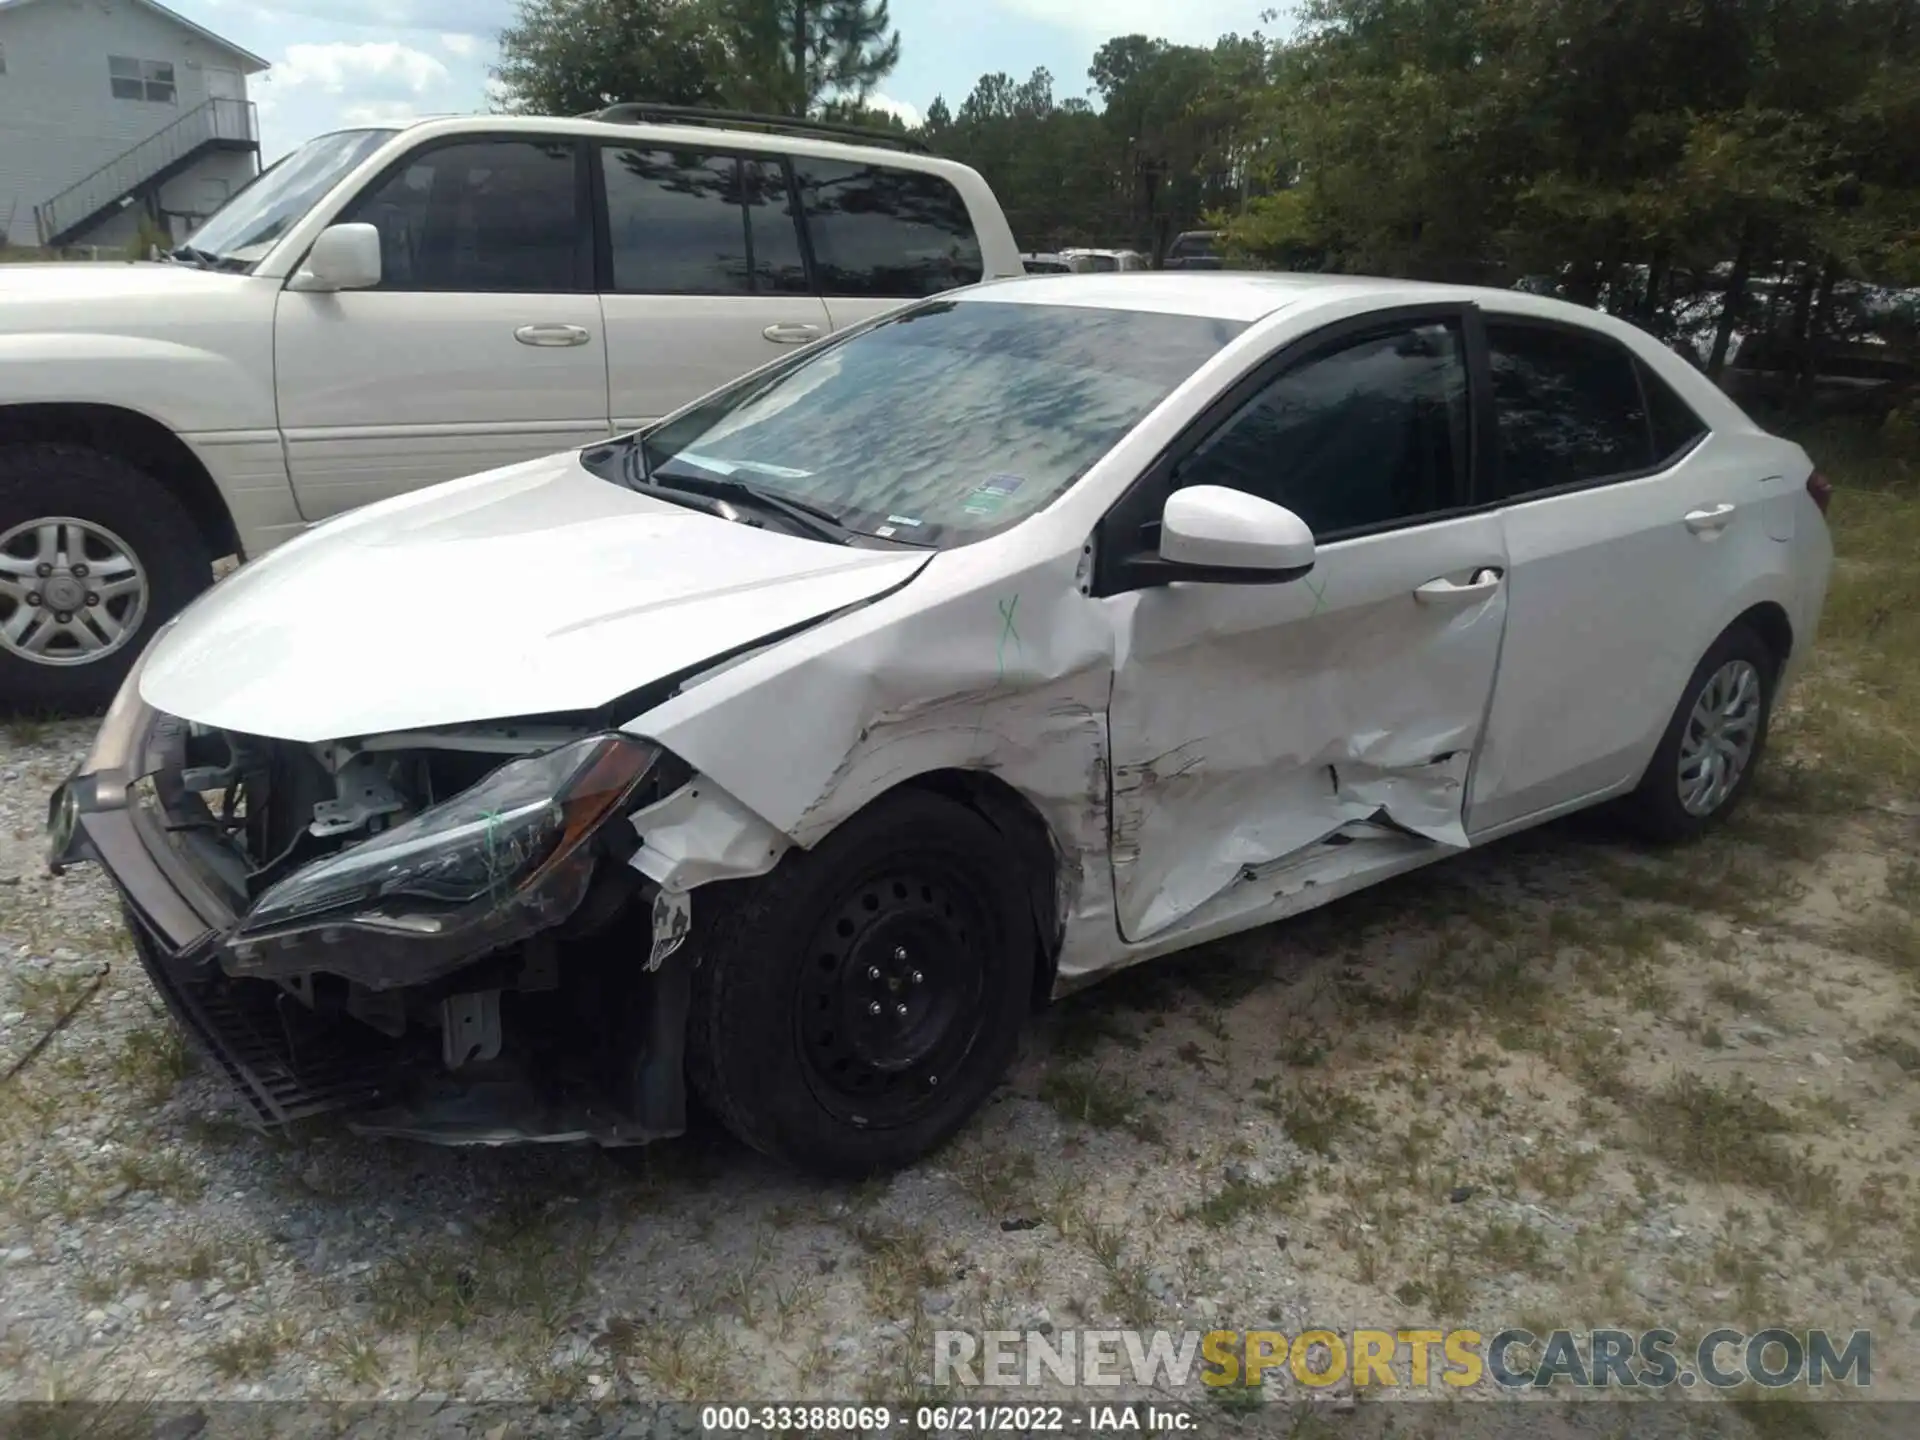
372 64
464 46
379 112
909 114
1193 22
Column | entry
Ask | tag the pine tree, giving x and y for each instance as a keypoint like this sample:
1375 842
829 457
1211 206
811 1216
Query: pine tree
790 57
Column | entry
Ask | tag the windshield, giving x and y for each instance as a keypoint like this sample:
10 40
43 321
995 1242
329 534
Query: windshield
1103 262
244 229
946 423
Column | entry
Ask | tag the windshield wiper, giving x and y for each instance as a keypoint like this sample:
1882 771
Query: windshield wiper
821 524
199 259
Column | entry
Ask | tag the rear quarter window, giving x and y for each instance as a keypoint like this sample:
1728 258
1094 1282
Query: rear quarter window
886 233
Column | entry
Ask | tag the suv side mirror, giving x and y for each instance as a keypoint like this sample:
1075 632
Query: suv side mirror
1212 533
344 257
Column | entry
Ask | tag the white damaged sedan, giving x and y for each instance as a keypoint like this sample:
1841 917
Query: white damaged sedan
796 747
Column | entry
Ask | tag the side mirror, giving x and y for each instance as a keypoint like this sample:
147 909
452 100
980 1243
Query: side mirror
345 257
1212 533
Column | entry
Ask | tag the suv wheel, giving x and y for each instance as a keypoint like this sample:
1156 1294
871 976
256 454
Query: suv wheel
854 1007
94 556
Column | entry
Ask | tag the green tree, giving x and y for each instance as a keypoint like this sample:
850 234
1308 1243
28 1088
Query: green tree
564 57
791 57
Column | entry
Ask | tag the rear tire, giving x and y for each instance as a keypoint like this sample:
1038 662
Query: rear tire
854 1007
1713 744
89 537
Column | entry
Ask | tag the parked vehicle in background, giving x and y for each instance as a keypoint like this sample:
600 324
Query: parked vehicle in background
1769 374
1048 264
1106 261
1015 638
1193 250
392 306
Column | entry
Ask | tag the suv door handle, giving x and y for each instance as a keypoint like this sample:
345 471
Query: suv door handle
791 333
1443 591
1711 519
552 335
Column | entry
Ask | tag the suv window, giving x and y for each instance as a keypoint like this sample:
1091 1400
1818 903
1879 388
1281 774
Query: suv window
1365 435
486 215
1675 426
1569 408
878 231
684 223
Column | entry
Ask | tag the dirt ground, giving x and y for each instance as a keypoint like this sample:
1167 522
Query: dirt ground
1562 1082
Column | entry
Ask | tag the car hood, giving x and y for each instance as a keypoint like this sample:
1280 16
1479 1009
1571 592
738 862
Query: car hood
82 282
530 590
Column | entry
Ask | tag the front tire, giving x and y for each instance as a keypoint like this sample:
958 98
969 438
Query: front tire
95 555
852 1008
1712 745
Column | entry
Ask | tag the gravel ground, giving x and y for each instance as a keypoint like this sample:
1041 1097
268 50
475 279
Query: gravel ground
1560 1082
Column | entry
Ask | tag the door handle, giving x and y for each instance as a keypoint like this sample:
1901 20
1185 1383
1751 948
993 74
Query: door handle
1443 591
791 333
1709 520
552 335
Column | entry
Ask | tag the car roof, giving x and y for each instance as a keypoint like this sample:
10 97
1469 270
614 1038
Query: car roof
1215 295
692 137
1248 296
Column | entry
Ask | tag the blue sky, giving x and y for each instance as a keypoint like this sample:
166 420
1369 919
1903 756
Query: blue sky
342 62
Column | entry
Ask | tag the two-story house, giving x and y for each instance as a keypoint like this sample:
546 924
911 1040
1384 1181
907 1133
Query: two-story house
111 109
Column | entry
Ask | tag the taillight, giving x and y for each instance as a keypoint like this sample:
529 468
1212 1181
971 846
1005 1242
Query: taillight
1821 489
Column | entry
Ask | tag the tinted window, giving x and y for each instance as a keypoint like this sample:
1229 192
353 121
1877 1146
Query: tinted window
878 231
494 215
682 223
1569 408
1675 426
950 422
1374 432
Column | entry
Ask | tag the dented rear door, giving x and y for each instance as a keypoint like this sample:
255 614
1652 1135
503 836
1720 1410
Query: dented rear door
1268 738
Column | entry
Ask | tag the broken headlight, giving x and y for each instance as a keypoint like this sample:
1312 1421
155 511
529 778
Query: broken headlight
508 854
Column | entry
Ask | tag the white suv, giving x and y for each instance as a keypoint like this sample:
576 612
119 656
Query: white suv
390 307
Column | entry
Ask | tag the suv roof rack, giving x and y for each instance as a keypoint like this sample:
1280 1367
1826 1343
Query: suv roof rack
641 113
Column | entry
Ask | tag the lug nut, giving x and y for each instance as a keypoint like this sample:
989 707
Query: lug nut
873 972
918 978
901 1011
874 1008
63 616
43 569
79 571
33 599
93 597
900 952
932 1080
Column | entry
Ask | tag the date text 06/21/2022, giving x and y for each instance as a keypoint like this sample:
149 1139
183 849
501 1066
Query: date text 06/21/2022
945 1419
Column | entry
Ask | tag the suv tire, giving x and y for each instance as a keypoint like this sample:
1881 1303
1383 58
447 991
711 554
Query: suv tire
89 537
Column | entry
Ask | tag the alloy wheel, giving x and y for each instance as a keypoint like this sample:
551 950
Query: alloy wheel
1718 743
71 591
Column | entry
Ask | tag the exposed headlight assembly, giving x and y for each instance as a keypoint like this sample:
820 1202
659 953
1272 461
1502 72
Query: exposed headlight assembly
506 858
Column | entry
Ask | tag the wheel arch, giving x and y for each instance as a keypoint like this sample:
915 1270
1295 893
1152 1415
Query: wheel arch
1768 620
1031 841
139 440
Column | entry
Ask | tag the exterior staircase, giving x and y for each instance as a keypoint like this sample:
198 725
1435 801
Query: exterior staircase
138 172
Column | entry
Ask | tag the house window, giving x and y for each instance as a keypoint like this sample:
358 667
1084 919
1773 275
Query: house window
150 80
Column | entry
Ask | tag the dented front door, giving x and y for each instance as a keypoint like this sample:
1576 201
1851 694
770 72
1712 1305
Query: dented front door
1267 739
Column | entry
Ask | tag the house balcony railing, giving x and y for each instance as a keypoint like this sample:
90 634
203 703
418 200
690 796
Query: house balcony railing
220 123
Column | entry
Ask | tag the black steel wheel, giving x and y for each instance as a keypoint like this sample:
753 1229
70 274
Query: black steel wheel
853 1008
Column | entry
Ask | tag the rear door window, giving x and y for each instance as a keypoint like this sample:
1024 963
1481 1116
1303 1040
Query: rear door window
886 233
689 223
1569 408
